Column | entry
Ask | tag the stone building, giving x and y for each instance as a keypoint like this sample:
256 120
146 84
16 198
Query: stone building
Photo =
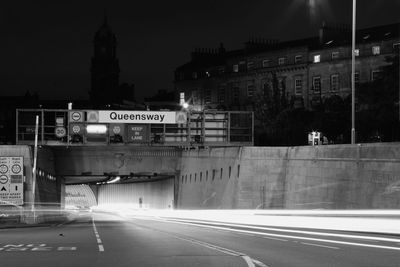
308 70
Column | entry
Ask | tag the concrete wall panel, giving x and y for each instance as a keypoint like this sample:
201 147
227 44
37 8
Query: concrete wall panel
363 176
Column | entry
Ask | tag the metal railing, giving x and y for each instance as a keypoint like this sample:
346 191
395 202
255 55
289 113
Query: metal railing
207 128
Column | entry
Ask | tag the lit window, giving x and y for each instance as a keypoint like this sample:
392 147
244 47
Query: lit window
235 68
281 61
181 98
298 86
317 84
335 55
265 63
250 65
335 82
376 50
298 59
356 52
317 58
250 90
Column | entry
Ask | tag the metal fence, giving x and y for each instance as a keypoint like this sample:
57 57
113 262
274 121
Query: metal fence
208 128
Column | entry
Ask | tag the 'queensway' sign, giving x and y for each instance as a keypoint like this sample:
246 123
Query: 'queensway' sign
154 117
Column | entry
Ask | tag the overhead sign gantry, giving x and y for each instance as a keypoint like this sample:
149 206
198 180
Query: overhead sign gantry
156 128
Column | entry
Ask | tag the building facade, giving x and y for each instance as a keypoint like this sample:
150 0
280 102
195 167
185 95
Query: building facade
307 71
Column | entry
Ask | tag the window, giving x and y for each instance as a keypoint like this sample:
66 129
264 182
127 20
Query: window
265 63
230 170
250 90
207 96
206 175
181 98
238 170
317 58
194 75
221 94
235 94
235 68
190 178
266 88
213 174
317 84
185 178
250 65
182 179
335 55
242 65
281 61
376 50
356 52
298 59
356 77
195 177
375 75
334 82
298 85
201 176
220 175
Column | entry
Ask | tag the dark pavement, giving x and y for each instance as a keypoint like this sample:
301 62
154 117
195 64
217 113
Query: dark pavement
104 239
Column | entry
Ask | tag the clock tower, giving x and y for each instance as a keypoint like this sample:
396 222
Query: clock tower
104 68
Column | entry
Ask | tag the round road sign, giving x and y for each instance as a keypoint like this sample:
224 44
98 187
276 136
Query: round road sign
76 116
16 168
76 129
116 129
60 131
3 168
3 179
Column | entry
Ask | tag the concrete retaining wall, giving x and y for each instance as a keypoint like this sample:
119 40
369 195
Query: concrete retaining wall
333 177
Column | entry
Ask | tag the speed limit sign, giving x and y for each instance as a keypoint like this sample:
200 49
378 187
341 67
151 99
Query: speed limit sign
60 132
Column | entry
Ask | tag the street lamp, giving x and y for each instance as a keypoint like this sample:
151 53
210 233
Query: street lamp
353 48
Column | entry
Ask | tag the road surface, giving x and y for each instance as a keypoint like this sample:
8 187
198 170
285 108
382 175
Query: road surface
107 239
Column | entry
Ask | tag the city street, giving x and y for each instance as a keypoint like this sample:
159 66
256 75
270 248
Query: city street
106 239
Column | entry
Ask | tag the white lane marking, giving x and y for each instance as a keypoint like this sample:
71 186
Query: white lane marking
293 237
249 261
259 263
101 247
317 245
386 239
280 239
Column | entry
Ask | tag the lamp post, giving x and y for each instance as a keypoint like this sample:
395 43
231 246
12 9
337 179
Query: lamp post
353 44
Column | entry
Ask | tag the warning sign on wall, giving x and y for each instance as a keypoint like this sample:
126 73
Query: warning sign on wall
11 181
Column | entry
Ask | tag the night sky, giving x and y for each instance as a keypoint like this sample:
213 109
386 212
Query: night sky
46 46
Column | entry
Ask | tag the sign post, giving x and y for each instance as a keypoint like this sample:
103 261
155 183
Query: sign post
34 168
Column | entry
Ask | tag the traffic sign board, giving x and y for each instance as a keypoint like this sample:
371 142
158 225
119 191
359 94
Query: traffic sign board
11 181
76 116
60 131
